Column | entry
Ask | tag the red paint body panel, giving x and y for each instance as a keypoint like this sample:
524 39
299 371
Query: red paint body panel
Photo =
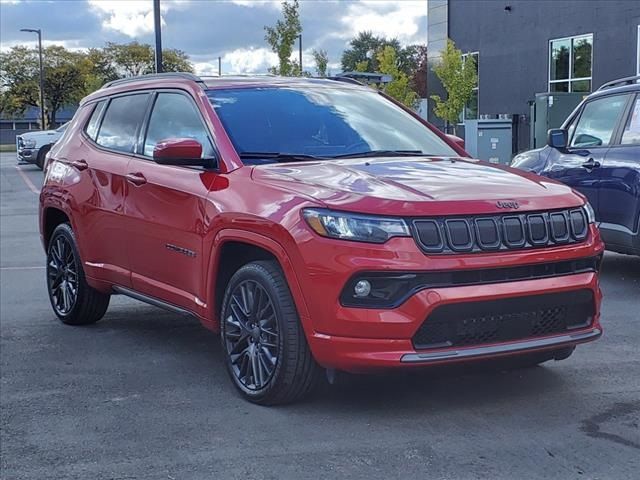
159 229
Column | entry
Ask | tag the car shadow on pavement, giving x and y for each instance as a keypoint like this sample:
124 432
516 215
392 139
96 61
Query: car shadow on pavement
184 345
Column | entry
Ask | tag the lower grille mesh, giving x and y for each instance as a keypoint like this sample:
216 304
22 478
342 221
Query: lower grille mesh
478 323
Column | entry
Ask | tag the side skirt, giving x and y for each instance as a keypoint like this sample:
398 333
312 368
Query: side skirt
154 301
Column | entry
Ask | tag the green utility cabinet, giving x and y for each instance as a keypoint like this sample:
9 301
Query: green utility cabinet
489 139
550 110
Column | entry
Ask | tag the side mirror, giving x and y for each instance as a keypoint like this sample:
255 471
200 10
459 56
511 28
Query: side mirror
557 138
179 151
457 140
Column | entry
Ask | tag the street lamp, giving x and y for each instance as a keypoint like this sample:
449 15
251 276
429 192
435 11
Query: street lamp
39 32
300 52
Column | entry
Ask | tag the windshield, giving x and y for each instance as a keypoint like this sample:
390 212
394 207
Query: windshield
319 122
62 127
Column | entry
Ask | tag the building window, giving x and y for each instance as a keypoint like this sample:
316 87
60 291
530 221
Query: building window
571 64
470 111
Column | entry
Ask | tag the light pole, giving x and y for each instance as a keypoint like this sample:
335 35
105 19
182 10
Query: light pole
300 52
158 28
39 32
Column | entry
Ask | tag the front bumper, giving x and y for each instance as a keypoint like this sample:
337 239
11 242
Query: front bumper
363 354
27 155
362 339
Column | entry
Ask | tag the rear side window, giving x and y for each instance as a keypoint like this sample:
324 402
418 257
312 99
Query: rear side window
631 134
598 121
94 121
121 120
175 116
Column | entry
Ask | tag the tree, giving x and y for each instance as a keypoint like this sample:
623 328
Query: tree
321 59
363 51
458 78
399 87
64 79
282 37
413 61
134 58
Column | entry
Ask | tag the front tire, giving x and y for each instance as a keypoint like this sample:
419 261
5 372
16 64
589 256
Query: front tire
73 300
266 351
42 153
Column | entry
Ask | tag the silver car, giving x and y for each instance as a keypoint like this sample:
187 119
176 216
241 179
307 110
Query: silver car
32 147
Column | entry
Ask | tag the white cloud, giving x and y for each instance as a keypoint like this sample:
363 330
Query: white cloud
402 20
256 3
132 17
32 42
249 60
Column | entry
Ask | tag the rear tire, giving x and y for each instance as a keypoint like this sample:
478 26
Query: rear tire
265 348
73 300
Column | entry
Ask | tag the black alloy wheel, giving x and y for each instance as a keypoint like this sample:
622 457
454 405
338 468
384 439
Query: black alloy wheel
251 335
74 301
62 275
266 351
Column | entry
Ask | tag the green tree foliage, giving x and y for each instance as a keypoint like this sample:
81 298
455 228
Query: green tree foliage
69 76
458 78
134 58
361 56
64 79
282 37
321 59
399 87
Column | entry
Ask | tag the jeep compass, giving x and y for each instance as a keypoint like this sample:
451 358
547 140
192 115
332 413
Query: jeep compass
316 224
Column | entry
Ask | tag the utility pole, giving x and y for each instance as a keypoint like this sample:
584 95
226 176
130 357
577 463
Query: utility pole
300 52
158 29
219 66
39 32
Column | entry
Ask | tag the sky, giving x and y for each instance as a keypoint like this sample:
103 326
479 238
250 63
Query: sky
206 29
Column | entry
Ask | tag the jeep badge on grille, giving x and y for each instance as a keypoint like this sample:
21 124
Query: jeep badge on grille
507 204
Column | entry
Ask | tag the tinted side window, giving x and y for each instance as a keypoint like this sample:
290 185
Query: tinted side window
598 120
631 134
94 121
121 120
175 116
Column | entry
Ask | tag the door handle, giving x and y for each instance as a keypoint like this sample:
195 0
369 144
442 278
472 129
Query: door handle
591 163
136 178
80 164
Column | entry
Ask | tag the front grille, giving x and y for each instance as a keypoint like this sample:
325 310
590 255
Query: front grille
484 233
494 321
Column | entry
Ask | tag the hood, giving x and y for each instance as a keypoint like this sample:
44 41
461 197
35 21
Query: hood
52 134
418 186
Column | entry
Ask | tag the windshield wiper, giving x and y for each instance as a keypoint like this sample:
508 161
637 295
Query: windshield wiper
280 157
382 153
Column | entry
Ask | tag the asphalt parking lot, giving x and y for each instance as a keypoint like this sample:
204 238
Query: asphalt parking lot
143 395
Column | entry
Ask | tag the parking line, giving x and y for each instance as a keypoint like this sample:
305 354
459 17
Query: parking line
27 181
23 268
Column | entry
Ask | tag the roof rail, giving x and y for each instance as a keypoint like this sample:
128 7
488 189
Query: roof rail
345 80
620 82
153 76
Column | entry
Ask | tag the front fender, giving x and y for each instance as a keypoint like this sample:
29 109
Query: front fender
269 244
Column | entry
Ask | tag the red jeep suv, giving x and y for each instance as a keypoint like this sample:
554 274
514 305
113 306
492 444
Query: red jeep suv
313 223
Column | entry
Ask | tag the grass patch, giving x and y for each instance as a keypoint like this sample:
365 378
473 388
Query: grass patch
9 147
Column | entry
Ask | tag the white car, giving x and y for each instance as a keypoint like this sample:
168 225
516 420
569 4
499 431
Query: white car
31 147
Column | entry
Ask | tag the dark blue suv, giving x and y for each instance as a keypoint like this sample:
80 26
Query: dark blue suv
597 152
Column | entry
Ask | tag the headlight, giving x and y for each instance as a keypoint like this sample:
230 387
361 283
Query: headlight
28 143
360 228
591 214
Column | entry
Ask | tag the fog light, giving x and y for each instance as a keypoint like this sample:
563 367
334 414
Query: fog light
362 288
